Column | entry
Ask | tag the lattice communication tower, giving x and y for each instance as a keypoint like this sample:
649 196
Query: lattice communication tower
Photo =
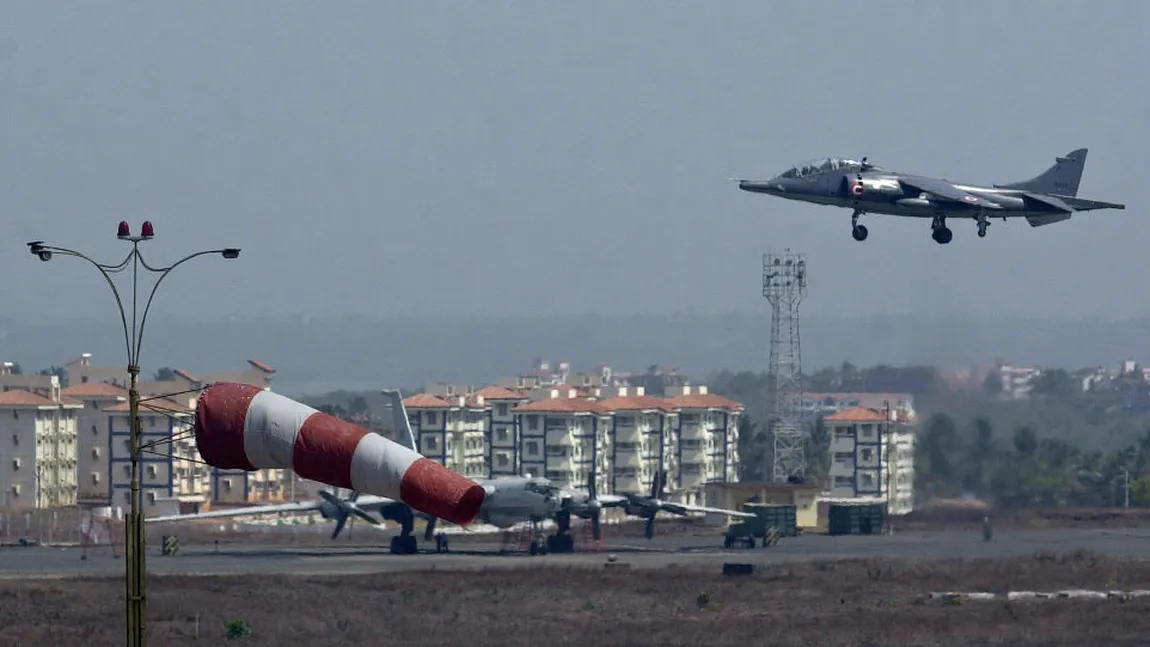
784 286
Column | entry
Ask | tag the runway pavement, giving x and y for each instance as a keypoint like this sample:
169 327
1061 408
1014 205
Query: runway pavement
364 558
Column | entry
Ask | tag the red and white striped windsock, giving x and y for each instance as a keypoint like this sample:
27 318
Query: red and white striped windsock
239 426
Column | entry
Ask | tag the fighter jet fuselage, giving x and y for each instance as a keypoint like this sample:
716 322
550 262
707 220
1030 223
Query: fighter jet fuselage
1047 198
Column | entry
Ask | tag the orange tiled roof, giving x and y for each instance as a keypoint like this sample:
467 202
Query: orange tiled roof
635 403
186 375
704 401
159 405
857 414
500 393
95 390
425 401
22 398
561 405
261 366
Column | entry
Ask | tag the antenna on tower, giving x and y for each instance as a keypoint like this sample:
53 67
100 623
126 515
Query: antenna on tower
784 286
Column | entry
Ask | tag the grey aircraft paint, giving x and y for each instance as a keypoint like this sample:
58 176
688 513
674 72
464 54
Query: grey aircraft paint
1046 198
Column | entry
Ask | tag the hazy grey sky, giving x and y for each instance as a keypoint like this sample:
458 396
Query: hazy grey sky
517 157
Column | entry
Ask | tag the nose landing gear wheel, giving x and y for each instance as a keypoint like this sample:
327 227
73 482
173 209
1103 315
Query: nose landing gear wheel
942 235
859 232
982 229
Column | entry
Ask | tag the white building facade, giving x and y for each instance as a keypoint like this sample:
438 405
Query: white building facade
872 458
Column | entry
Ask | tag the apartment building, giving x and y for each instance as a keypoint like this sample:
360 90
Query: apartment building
502 431
37 448
170 467
706 440
872 457
561 439
642 439
181 391
93 440
451 429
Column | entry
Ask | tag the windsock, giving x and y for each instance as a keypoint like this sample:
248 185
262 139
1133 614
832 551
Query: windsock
239 426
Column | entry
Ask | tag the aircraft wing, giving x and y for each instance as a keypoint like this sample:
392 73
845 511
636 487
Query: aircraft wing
615 500
703 508
947 191
364 502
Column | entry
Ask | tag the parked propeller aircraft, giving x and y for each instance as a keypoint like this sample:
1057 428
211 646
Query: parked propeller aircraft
1044 199
510 500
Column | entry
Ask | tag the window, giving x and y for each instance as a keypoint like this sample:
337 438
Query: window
431 417
95 452
501 409
502 460
502 435
95 431
533 448
15 439
128 471
96 478
15 464
430 442
532 422
867 479
151 498
151 471
867 454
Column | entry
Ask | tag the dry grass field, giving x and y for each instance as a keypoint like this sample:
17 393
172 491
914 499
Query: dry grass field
853 602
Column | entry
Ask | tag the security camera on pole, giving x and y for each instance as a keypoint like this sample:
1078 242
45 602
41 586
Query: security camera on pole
133 338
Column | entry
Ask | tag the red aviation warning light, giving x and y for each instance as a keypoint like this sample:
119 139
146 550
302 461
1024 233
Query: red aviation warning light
124 231
240 426
147 231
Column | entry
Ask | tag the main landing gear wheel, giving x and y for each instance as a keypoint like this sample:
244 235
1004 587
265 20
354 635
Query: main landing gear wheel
982 229
942 235
859 232
404 545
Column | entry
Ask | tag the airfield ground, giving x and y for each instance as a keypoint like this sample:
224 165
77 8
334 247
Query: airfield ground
855 602
808 590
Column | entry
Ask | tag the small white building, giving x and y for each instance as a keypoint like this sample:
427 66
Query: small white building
872 458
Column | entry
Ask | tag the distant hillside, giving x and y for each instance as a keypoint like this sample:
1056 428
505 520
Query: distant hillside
314 356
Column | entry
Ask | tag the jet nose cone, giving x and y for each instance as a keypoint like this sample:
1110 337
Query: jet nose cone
759 186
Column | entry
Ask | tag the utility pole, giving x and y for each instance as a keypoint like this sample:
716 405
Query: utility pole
1126 484
134 535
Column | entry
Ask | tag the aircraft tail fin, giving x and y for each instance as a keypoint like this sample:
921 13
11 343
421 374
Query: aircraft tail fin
403 433
1060 179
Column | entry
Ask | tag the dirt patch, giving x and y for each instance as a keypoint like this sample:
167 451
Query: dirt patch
854 602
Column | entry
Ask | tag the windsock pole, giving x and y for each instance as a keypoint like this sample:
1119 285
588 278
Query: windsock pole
239 426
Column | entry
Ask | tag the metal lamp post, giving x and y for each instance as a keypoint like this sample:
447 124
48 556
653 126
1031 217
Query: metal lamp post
134 539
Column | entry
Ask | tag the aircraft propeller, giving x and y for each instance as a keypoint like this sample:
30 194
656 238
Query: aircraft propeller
344 509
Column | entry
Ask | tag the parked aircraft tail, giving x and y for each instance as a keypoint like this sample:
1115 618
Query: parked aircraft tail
403 433
1061 179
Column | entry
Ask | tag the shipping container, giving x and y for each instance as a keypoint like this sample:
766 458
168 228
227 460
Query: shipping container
856 518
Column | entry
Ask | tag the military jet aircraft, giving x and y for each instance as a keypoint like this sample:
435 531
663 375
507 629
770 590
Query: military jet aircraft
1044 199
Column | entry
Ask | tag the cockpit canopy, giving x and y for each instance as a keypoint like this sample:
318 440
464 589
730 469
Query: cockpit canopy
541 486
825 165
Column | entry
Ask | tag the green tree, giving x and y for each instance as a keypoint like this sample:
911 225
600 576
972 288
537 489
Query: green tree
937 451
1055 383
15 369
164 374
